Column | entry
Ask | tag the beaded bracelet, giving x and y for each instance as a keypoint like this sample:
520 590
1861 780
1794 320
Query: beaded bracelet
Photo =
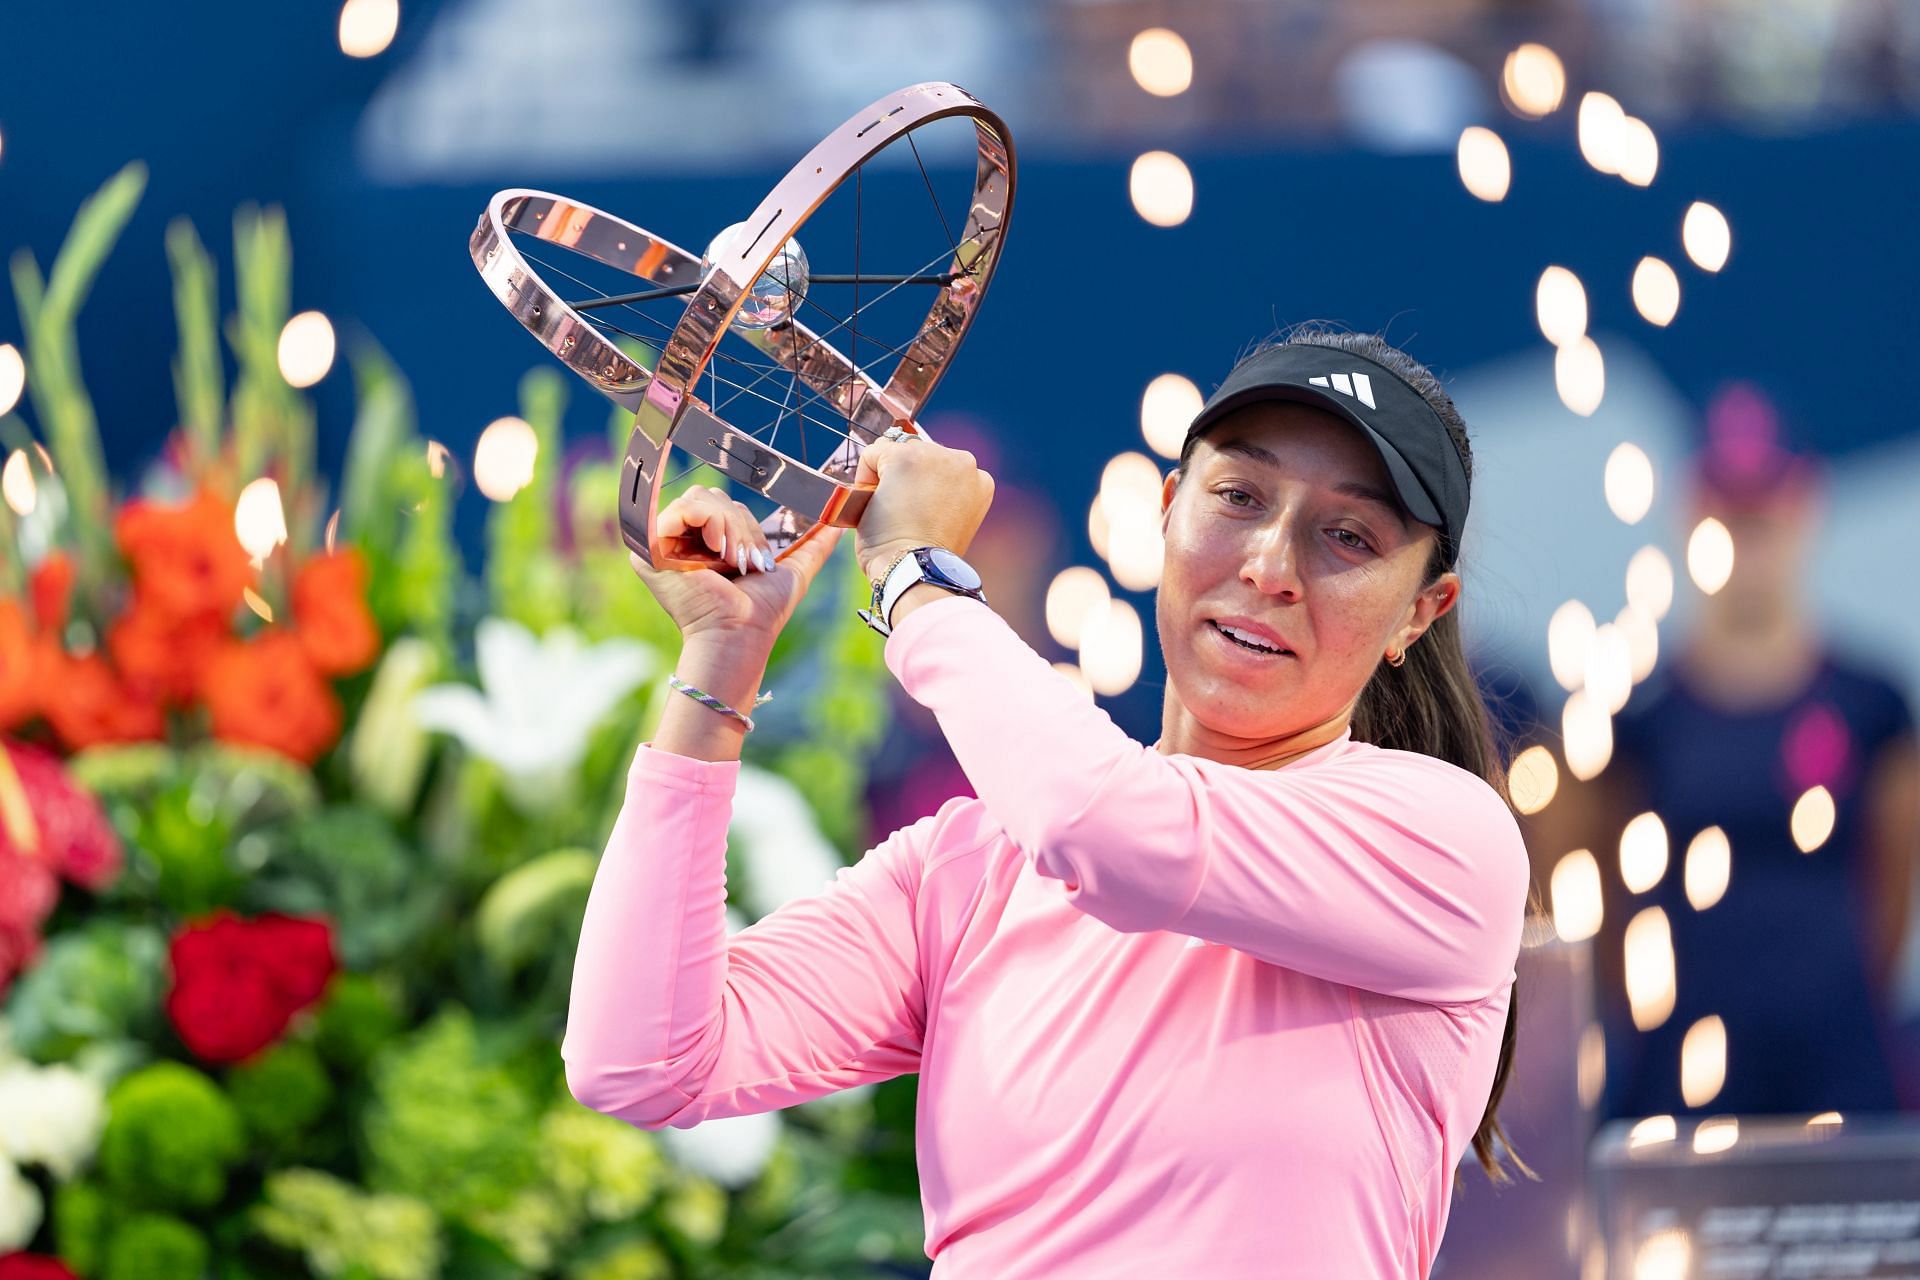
708 699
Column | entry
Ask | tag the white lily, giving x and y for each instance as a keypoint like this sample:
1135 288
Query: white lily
21 1208
51 1116
539 699
785 854
732 1150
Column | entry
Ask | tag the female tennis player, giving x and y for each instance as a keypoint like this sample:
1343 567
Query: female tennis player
1231 1006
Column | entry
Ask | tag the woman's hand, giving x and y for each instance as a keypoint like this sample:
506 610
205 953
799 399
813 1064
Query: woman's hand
926 496
755 605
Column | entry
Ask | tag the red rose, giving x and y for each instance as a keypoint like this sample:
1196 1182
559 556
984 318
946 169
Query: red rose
237 983
71 830
33 1266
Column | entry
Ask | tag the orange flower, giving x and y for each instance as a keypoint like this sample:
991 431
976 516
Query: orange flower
186 559
266 692
330 609
52 589
87 704
19 686
163 658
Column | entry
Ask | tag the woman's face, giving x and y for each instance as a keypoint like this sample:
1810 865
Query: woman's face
1285 528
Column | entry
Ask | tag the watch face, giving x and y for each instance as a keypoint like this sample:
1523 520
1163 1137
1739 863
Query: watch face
954 569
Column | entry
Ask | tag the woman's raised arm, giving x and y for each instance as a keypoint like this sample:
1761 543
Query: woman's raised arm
1387 871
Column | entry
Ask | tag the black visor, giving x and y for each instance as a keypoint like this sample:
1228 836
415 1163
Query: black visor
1426 468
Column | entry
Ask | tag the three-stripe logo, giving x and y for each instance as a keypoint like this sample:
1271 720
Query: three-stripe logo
1357 385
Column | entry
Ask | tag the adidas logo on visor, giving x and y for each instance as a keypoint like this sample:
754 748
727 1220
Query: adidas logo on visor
1357 385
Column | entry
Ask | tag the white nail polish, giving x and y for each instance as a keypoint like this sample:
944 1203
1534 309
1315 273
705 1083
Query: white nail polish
741 559
766 561
723 546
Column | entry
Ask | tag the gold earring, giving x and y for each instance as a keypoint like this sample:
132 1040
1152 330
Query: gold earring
1396 659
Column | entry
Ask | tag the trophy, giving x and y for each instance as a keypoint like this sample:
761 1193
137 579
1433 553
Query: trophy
746 360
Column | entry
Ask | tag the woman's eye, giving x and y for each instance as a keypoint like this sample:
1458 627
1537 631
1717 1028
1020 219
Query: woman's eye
1229 495
1351 539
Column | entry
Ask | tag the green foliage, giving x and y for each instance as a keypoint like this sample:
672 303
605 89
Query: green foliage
155 1246
357 1017
345 862
82 1219
198 382
98 982
171 1137
534 910
525 576
627 1258
347 1233
281 1095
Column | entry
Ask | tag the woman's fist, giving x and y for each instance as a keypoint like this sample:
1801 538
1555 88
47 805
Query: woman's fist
926 495
755 604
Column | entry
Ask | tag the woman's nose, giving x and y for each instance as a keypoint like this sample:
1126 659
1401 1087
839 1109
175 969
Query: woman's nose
1272 565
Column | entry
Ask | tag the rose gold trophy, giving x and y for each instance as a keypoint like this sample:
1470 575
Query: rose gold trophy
736 350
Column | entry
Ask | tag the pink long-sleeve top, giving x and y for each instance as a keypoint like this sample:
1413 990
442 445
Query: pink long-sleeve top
1171 1017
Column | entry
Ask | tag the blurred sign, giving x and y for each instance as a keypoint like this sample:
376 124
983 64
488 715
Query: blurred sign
1760 1199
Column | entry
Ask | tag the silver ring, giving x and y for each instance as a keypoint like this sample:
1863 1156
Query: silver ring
898 433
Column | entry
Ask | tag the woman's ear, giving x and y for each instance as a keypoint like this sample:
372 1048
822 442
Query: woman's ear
1167 487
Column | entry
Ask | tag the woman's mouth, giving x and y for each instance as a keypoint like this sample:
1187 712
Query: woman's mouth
1247 640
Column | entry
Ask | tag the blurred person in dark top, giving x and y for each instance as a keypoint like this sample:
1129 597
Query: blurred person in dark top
1797 954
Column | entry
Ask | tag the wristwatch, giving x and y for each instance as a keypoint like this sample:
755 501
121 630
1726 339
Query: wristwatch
936 565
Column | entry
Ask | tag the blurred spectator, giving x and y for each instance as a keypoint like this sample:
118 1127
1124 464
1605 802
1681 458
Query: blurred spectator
1755 712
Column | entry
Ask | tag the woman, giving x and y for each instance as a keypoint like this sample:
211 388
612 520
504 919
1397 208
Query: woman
1231 1006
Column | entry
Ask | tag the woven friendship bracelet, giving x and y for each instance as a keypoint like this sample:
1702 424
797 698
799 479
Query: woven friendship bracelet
707 699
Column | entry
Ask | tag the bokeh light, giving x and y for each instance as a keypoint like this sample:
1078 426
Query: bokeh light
1717 1134
1586 731
17 484
1072 597
1650 582
1709 867
1710 555
1569 636
1656 291
1643 852
1097 528
1602 129
1608 678
1667 1254
1629 482
367 27
1560 306
1532 779
1161 62
13 376
1577 902
1534 80
306 349
1652 1131
1706 235
1580 376
1643 640
1813 818
259 518
1167 408
1591 1065
1485 168
257 603
1072 671
1111 647
1638 151
1649 968
1161 186
503 460
1703 1061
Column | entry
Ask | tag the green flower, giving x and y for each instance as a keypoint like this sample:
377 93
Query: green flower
281 1093
97 982
171 1136
448 1126
154 1246
608 1168
531 1227
343 1231
697 1210
81 1219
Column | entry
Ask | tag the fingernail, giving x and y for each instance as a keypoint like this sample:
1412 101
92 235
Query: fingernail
741 558
723 546
766 561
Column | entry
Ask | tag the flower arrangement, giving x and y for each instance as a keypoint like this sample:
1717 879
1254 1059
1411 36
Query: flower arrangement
297 821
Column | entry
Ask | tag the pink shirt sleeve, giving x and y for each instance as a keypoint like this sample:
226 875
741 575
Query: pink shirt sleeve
1384 870
671 1022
